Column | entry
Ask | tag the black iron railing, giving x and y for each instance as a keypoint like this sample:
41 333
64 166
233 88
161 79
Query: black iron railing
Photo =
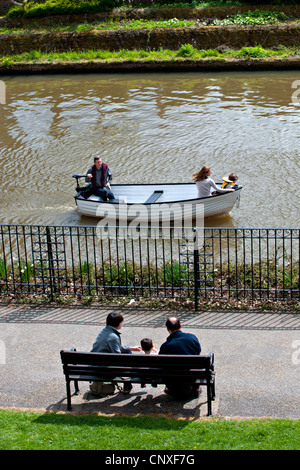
210 263
248 264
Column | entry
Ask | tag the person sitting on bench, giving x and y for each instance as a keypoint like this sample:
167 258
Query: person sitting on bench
180 343
109 341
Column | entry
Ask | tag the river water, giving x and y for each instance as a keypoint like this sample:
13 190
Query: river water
151 128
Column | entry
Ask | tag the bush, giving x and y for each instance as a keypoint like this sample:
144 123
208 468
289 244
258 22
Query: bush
187 50
53 7
252 52
210 53
257 17
59 7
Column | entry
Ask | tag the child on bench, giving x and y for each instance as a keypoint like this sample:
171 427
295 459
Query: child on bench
147 347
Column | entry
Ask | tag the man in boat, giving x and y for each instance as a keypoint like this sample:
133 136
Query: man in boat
99 175
182 344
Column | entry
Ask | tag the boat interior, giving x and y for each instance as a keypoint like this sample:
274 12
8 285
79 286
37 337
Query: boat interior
150 194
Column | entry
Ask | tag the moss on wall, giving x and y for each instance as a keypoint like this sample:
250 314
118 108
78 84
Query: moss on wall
205 37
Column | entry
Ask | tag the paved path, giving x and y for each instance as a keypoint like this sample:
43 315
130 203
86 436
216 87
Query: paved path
257 358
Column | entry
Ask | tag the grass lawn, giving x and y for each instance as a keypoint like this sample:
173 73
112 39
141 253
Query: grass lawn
27 430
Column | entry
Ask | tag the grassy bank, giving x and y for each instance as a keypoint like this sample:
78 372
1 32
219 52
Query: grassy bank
139 41
186 51
256 17
25 430
71 7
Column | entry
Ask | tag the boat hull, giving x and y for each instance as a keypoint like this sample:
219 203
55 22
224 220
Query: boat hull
176 202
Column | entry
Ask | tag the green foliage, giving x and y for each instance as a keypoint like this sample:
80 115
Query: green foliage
61 7
125 274
187 50
256 17
255 52
5 61
210 53
127 277
85 268
26 271
2 269
264 276
21 270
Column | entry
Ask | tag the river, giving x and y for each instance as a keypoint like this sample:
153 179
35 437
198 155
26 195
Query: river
150 128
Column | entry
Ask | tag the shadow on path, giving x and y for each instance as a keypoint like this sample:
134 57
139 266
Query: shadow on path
153 318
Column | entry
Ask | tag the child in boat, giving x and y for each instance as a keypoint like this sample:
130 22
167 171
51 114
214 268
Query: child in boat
230 181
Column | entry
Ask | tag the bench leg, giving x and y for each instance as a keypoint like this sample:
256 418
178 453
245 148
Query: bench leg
213 391
208 400
76 387
69 405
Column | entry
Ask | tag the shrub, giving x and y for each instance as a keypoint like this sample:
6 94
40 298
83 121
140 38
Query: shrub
252 52
187 50
256 17
58 7
210 53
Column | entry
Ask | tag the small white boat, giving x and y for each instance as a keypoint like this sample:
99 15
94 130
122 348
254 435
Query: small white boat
147 202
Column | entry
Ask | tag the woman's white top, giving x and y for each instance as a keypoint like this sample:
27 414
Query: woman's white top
204 187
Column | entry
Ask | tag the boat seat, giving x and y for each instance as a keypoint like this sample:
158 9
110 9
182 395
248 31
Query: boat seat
154 196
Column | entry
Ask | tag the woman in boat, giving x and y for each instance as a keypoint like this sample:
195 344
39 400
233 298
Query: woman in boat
204 183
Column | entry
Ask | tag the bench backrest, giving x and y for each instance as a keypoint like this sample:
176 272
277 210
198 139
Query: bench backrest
168 364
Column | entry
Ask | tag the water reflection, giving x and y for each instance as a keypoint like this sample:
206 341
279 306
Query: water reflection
150 128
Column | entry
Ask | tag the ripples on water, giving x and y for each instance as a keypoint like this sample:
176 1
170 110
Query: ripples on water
150 128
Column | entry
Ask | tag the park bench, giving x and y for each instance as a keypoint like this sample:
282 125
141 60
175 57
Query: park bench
138 369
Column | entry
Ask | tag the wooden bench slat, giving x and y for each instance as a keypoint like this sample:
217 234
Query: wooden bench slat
78 357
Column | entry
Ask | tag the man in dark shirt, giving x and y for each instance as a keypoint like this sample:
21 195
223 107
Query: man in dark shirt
99 175
180 343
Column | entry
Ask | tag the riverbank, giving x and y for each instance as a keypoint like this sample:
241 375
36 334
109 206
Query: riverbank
81 43
202 37
187 65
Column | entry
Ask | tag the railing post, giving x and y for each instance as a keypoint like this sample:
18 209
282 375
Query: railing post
196 269
50 261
